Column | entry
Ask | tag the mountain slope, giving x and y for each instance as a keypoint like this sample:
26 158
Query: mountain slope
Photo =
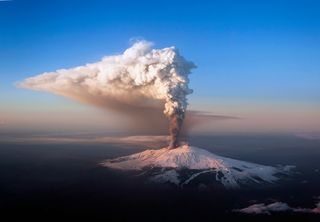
166 165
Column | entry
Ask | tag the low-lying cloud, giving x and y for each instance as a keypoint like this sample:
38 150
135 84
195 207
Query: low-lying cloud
268 209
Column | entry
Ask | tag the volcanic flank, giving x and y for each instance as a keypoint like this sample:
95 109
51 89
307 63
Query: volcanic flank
169 165
143 79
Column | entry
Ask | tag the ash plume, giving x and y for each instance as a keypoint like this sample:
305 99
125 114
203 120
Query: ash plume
141 78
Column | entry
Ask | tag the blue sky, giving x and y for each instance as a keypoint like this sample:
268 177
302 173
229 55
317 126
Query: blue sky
246 51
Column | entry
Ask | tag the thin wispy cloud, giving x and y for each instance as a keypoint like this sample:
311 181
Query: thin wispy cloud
308 136
146 140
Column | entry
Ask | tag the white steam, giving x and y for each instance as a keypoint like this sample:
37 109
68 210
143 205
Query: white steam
140 77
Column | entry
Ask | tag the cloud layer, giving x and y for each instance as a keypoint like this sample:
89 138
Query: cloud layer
262 208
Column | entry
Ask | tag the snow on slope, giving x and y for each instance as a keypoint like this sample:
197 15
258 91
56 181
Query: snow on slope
230 172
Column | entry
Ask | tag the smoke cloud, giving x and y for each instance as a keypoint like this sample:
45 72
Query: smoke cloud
139 82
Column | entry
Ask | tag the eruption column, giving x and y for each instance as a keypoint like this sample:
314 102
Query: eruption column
138 78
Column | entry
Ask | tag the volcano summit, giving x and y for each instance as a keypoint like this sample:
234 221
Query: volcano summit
184 164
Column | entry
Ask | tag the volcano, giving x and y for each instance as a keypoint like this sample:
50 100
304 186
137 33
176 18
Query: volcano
183 165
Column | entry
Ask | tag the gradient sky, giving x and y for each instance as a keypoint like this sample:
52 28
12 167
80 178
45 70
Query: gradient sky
257 60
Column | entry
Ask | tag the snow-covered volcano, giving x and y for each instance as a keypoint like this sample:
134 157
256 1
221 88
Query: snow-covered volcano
170 165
